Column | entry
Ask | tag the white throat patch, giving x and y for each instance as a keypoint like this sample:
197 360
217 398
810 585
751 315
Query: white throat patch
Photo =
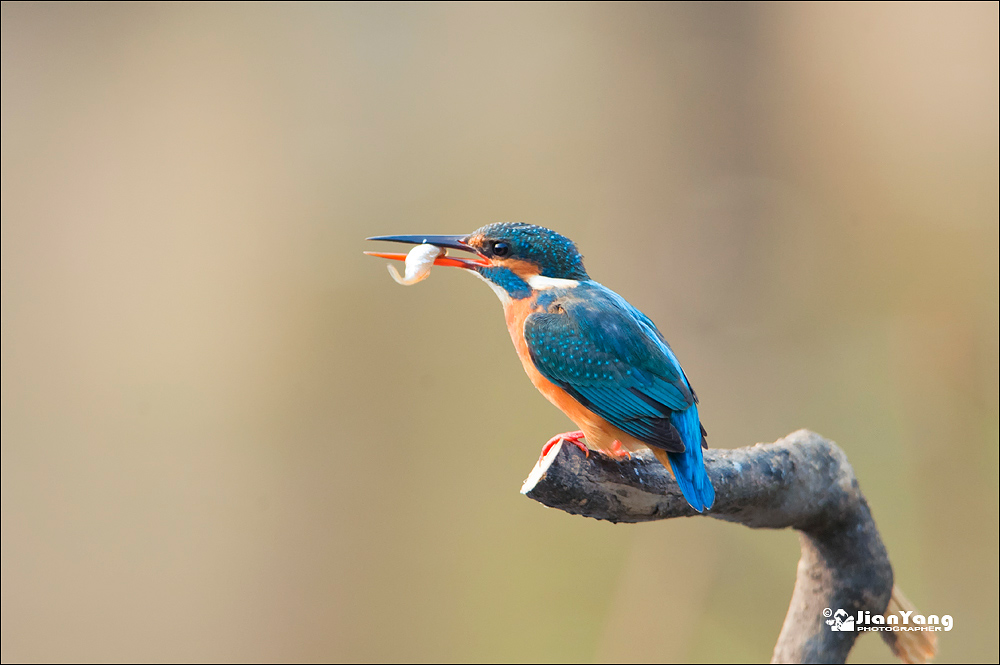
497 289
540 283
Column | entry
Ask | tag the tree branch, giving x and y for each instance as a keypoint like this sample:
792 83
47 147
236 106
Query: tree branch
802 481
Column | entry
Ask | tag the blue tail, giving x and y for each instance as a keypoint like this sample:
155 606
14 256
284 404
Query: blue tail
689 466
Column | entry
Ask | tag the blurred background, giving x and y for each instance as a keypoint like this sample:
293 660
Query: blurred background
228 435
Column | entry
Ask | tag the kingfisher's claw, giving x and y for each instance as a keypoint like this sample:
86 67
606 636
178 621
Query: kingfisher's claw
618 451
576 438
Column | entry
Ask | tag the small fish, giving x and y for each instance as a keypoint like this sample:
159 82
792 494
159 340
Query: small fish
418 264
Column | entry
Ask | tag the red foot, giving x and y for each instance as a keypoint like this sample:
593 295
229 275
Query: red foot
617 450
569 437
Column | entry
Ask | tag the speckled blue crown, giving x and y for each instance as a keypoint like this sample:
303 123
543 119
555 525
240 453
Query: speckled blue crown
555 254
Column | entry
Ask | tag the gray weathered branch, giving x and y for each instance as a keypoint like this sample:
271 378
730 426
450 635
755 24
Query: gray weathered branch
802 481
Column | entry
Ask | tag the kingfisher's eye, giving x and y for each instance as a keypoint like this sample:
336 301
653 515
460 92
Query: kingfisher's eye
501 249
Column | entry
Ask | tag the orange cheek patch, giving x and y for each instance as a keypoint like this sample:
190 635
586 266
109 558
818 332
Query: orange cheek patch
520 267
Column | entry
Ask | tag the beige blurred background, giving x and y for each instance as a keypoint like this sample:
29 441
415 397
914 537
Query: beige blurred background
227 435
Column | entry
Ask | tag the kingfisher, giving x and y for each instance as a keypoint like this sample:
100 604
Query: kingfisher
597 358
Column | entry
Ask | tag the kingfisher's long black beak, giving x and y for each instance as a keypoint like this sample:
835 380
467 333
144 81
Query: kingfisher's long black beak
448 242
445 242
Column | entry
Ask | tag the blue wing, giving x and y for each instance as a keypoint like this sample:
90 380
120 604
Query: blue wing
609 357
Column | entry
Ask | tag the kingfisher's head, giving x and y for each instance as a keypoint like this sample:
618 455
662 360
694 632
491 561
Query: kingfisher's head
516 259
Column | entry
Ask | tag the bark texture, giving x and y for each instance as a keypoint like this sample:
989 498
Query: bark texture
802 481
